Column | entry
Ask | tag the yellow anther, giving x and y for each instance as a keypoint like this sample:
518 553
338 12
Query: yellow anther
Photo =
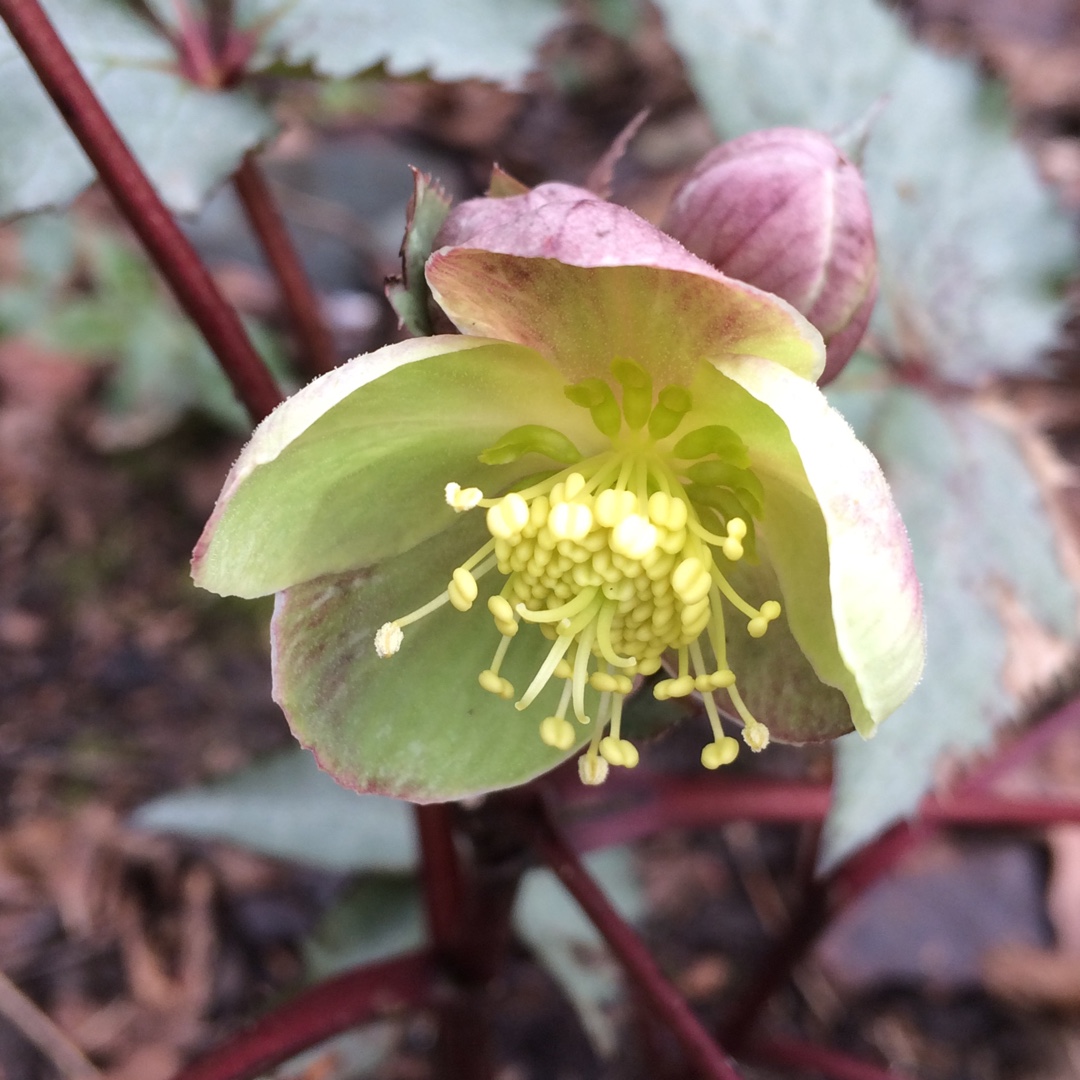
722 752
558 732
592 769
564 670
659 504
691 581
573 485
756 736
462 589
602 681
674 541
570 520
732 549
634 537
501 608
686 573
691 613
496 684
612 506
721 680
736 528
619 751
670 513
462 498
388 639
508 516
669 688
538 513
770 610
611 750
623 684
757 626
618 590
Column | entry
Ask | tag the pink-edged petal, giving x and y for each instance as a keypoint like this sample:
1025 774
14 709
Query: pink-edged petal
581 281
834 539
353 468
415 725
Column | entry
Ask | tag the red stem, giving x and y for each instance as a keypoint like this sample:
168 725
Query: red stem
692 802
464 1041
176 259
441 874
317 346
1025 746
808 1057
969 803
327 1009
705 1054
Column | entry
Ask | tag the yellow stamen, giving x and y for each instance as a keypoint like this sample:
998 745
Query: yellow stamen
610 560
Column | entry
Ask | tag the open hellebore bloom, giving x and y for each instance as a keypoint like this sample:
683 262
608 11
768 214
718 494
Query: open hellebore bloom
481 542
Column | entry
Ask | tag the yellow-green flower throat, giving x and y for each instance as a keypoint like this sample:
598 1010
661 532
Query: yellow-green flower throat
617 559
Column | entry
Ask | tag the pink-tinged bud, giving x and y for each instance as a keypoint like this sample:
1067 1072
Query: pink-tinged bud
786 211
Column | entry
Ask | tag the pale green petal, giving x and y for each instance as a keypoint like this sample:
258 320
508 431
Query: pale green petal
833 535
583 317
417 724
353 468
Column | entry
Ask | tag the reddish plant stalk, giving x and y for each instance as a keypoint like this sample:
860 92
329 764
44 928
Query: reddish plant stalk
316 343
137 200
808 1057
693 802
824 899
701 1049
463 1047
327 1009
442 877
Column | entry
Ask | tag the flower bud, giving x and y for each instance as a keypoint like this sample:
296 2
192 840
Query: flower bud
786 211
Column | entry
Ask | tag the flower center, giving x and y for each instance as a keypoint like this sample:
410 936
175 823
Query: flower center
618 560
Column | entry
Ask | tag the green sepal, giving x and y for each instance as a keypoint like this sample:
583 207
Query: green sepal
428 208
504 186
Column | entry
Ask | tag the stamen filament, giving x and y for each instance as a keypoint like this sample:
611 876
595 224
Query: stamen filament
427 609
477 555
603 637
702 533
736 600
564 611
581 671
755 733
500 653
616 715
547 669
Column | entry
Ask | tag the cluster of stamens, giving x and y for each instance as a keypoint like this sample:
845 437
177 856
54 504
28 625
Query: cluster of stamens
614 560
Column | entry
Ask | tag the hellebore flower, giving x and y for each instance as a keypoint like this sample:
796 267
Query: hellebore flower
785 210
480 542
